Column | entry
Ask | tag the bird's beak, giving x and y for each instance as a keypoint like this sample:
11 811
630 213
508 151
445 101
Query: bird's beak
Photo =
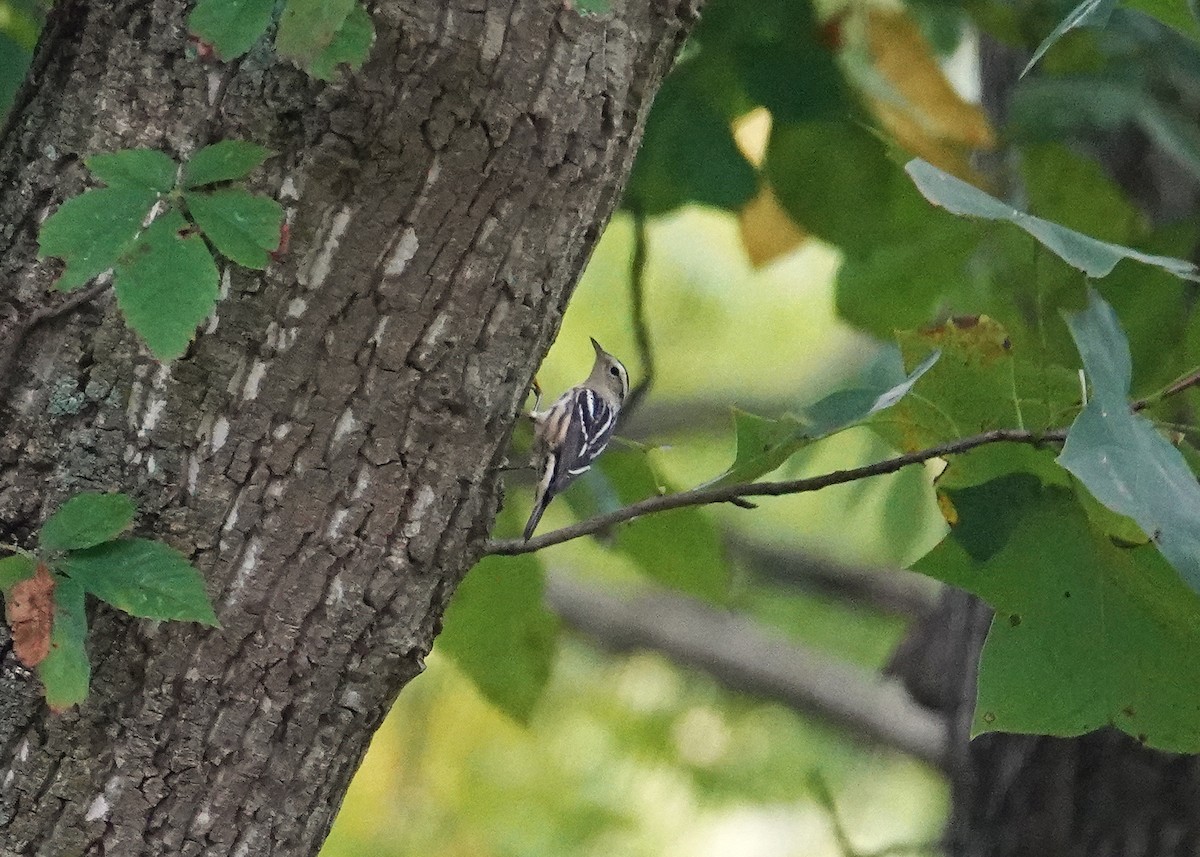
600 352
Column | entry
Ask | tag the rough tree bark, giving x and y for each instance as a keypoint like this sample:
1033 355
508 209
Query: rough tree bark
327 451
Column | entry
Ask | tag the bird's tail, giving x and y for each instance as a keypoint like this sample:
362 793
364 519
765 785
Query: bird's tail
539 506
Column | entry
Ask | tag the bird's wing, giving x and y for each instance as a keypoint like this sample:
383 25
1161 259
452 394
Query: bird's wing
588 431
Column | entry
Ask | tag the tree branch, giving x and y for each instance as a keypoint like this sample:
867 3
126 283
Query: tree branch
895 591
740 655
725 493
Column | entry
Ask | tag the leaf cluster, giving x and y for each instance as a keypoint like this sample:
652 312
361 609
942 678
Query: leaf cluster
318 36
153 225
81 551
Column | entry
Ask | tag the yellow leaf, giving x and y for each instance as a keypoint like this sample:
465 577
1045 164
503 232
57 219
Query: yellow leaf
924 113
767 231
946 507
751 132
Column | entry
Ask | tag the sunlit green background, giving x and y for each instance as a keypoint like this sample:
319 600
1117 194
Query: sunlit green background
630 755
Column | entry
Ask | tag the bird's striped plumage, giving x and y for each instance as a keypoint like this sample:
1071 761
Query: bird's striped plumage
572 432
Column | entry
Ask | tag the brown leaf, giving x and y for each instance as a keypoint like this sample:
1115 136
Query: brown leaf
767 231
930 119
29 610
979 339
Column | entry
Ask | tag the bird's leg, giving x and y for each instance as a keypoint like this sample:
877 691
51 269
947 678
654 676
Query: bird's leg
537 394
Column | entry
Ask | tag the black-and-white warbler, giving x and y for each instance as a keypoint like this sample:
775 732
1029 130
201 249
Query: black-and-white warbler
571 433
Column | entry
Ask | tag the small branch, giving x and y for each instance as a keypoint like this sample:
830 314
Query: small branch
641 330
741 655
727 493
1184 382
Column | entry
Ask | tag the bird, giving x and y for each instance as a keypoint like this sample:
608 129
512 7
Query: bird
570 434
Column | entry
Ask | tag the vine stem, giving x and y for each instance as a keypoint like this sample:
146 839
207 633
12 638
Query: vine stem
637 296
14 549
733 493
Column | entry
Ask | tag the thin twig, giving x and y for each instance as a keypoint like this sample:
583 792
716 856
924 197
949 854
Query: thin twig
727 493
76 300
1183 382
637 294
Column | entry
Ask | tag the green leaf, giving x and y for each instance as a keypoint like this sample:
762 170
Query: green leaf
350 46
1057 108
592 7
15 568
989 513
1175 14
91 231
230 26
688 153
1086 634
903 284
1075 191
498 631
87 519
764 444
224 161
66 672
846 407
242 226
308 27
1120 457
1095 258
982 382
166 285
145 169
144 578
816 168
654 542
1089 13
787 66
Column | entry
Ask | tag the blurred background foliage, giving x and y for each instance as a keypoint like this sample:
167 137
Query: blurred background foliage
789 256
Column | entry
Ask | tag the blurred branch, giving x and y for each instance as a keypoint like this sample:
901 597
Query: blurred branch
896 591
655 419
641 331
726 493
741 655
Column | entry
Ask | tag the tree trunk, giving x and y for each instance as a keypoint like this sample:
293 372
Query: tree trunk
1099 795
327 451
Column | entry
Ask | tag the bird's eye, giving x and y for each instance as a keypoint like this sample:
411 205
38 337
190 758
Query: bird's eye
614 371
